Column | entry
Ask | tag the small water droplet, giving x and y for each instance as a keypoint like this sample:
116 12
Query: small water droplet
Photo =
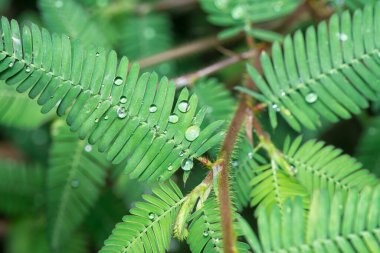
205 233
170 168
123 100
28 69
250 155
183 106
187 164
192 133
153 108
311 98
276 108
97 54
75 183
149 33
282 93
173 118
342 37
118 81
11 64
106 117
238 12
88 148
181 153
235 164
58 4
221 4
121 113
151 216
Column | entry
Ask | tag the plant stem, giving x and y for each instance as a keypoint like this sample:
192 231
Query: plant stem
192 77
194 47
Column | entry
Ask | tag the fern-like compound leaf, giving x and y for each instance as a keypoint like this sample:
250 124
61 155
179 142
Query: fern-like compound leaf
76 174
149 226
324 167
129 117
17 110
334 224
21 187
330 72
205 230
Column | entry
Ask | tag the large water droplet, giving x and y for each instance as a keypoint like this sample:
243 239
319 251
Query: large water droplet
192 133
97 54
88 148
75 183
183 106
311 98
187 164
153 108
250 155
118 81
151 216
238 12
123 99
121 112
173 118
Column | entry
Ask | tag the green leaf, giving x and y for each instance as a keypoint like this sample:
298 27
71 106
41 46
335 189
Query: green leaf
334 224
17 110
76 175
106 101
330 72
21 187
149 226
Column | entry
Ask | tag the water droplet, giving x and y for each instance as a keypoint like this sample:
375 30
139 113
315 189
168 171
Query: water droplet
170 168
28 69
250 155
173 118
282 93
97 54
311 98
187 164
192 133
58 4
88 148
11 64
205 233
75 183
123 100
183 106
238 12
118 81
153 108
106 117
96 120
221 4
342 37
149 33
151 216
235 164
276 108
181 153
121 113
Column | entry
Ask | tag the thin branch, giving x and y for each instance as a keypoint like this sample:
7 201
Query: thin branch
194 47
192 77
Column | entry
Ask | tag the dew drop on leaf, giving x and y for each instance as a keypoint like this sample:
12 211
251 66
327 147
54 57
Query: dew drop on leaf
276 108
123 99
192 133
11 64
205 233
311 98
342 37
75 183
183 106
282 93
235 163
238 12
170 168
187 164
118 81
121 113
173 118
151 216
221 4
181 153
153 108
88 148
28 69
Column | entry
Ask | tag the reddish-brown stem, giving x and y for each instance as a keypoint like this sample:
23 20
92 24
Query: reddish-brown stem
194 47
192 77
